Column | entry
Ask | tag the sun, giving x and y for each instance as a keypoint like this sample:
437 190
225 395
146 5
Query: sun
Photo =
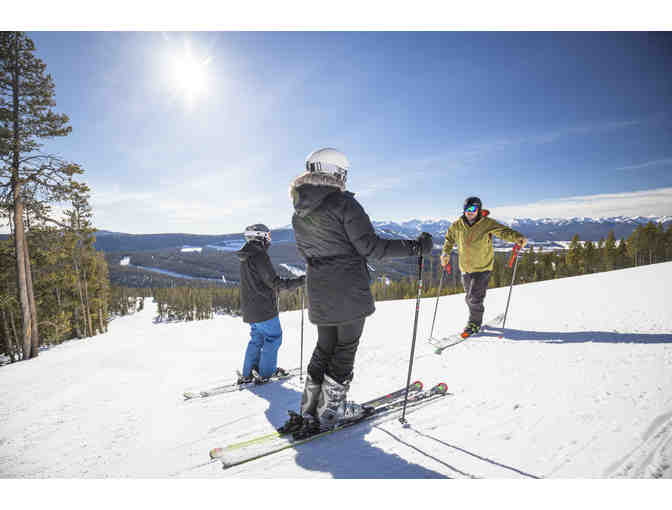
189 75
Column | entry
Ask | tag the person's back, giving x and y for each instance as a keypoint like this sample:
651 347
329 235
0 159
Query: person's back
259 285
258 301
335 236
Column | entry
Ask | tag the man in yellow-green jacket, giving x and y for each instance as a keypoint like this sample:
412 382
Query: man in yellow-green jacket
473 235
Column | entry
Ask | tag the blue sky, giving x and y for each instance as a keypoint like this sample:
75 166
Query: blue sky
537 124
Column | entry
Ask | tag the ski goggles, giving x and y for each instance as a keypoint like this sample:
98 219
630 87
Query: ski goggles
327 168
471 209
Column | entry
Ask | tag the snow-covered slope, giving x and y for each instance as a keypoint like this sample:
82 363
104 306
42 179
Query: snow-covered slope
579 386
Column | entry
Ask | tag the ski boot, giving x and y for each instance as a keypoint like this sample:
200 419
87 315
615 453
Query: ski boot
309 427
470 329
332 408
302 425
280 372
292 425
245 380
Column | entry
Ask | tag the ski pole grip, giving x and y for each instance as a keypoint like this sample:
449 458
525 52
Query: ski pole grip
514 254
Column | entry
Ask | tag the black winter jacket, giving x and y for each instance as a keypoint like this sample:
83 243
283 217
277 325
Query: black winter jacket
335 236
259 283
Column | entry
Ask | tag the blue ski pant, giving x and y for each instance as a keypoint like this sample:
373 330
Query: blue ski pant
262 349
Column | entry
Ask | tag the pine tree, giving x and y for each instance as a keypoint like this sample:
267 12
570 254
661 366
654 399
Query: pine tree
609 252
667 242
649 242
635 244
26 119
590 254
622 258
574 257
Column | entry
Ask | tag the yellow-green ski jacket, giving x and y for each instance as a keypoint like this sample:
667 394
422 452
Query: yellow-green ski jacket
474 242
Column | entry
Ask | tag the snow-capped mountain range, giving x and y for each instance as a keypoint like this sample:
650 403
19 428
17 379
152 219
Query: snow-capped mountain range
543 229
545 233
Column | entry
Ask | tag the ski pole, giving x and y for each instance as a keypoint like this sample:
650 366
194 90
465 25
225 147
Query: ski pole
302 292
415 330
436 306
514 256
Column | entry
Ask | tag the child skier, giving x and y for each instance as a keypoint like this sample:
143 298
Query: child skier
259 285
473 234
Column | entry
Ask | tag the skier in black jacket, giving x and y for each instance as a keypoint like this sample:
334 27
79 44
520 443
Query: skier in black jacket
335 237
259 285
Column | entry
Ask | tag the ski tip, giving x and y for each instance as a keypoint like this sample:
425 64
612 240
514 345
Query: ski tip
187 395
216 453
418 385
438 351
442 388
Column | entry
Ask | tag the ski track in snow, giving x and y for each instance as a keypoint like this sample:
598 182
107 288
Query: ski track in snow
578 386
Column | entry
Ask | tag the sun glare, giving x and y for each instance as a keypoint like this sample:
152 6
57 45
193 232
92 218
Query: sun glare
189 75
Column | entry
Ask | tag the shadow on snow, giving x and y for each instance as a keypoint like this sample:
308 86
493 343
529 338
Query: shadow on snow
346 454
577 336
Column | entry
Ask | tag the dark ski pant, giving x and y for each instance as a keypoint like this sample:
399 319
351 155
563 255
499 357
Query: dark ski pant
475 287
335 351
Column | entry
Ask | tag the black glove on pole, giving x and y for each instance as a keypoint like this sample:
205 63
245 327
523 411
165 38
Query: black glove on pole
436 306
422 245
415 331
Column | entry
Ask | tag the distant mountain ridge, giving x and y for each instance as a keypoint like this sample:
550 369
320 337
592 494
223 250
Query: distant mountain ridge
542 230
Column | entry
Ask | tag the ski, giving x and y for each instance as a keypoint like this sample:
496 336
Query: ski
442 344
241 453
383 399
234 386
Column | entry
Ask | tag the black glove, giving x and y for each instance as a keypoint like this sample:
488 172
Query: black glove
422 245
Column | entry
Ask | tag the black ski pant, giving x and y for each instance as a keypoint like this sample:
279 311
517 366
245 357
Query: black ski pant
475 287
335 351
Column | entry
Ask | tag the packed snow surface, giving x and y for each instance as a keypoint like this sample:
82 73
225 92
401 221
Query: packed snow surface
578 386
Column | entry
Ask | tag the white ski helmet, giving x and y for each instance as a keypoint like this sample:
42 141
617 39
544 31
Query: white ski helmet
328 161
258 232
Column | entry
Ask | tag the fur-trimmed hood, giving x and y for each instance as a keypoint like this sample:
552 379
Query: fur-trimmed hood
309 189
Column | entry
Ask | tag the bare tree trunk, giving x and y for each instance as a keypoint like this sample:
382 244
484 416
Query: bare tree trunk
19 230
35 336
21 284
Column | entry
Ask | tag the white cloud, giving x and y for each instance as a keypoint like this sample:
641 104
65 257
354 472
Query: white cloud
657 162
656 202
206 196
139 212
